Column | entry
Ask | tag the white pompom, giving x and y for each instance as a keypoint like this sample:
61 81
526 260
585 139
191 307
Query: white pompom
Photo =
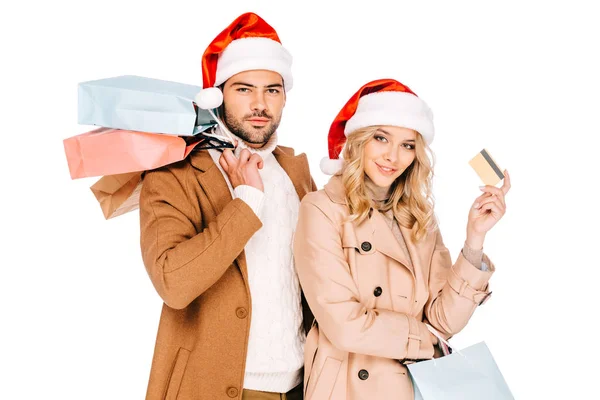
331 167
209 98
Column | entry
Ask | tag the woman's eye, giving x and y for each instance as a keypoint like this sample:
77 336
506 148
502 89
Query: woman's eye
381 139
409 146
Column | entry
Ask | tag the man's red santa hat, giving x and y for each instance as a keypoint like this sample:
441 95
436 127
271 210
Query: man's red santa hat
248 43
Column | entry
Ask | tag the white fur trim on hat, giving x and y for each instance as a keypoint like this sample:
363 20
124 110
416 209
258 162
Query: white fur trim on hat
254 53
331 167
209 98
393 108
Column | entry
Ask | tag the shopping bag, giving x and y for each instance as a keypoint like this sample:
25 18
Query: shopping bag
468 374
118 194
106 151
142 104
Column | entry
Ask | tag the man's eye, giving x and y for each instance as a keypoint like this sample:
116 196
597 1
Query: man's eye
243 90
273 91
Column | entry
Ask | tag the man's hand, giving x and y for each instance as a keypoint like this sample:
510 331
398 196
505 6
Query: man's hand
242 171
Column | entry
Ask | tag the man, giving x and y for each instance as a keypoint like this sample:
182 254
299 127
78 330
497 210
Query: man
216 236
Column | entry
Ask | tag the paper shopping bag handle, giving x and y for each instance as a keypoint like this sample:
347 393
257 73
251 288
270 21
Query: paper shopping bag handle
449 349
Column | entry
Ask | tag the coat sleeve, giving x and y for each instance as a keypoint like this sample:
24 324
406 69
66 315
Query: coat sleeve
182 262
333 296
455 290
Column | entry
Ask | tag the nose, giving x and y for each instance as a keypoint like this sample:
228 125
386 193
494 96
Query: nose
392 154
258 101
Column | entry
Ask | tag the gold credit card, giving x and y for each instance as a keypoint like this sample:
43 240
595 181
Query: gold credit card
487 169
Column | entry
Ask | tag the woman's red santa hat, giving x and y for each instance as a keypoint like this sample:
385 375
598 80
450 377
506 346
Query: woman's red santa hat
248 43
380 102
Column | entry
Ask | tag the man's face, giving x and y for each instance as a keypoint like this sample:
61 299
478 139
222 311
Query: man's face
253 102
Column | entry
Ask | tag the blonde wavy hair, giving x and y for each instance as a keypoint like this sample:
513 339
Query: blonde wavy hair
411 199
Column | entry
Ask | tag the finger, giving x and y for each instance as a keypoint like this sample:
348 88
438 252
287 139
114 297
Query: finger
494 208
244 156
255 159
506 185
223 163
229 158
478 200
493 190
493 197
483 196
494 200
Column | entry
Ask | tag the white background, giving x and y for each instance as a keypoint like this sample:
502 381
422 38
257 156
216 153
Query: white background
78 311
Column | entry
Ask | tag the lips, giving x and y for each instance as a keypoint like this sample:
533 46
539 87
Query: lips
386 170
258 121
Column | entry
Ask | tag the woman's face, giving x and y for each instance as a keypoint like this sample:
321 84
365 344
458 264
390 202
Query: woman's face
388 153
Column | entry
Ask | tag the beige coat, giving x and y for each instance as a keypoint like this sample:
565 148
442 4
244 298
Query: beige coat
193 237
370 304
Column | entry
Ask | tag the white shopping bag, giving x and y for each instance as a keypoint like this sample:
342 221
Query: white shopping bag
469 374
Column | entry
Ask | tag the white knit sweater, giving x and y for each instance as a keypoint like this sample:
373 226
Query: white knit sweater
276 344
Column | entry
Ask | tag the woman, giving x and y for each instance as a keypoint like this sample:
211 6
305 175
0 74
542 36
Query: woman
370 257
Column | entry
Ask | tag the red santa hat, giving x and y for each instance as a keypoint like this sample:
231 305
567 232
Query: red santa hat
380 102
248 43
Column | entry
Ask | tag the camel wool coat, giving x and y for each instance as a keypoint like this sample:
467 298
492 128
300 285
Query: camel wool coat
193 236
371 300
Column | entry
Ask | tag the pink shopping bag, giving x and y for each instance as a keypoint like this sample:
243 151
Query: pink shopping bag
106 151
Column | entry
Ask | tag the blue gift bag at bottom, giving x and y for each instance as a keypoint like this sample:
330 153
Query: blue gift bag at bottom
471 374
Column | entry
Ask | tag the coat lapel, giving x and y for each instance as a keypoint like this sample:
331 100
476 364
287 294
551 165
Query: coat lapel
211 180
213 183
420 252
386 242
296 167
376 230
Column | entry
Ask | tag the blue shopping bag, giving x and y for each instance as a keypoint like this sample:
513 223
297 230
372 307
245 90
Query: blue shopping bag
468 374
141 104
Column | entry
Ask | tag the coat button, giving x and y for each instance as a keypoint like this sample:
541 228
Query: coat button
377 292
232 392
241 313
363 374
366 246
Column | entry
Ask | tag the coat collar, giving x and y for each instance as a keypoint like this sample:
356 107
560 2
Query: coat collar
296 167
377 230
335 189
214 185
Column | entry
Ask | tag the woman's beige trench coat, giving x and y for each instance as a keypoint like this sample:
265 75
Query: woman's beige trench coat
371 300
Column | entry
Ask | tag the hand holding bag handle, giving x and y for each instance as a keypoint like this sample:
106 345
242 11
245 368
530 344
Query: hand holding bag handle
443 343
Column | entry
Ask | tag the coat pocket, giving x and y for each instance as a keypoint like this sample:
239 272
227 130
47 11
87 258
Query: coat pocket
176 377
326 380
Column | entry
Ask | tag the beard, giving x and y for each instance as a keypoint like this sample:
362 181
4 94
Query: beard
258 135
